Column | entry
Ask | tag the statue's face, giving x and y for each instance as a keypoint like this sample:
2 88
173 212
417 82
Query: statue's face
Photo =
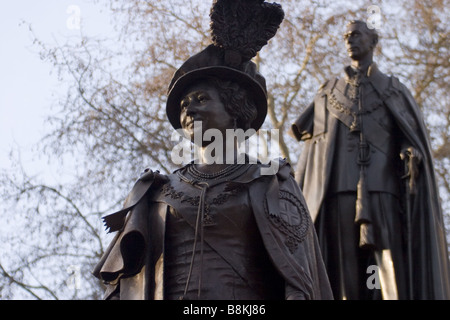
201 103
358 41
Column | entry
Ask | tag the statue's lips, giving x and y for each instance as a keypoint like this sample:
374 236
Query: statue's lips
191 123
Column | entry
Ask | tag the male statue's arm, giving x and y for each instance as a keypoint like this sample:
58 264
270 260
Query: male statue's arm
412 159
302 129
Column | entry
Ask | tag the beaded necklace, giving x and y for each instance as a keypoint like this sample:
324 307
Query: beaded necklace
196 174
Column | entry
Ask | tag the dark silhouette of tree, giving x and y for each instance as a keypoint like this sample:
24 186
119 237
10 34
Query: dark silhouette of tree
111 123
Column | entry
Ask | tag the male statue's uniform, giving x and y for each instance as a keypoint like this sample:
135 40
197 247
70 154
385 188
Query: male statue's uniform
351 172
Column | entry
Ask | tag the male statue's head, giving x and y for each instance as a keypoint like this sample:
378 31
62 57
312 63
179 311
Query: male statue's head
360 41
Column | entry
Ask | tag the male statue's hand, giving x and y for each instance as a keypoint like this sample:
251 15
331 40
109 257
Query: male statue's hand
412 158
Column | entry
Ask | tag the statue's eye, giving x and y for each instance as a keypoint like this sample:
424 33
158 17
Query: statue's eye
202 98
184 103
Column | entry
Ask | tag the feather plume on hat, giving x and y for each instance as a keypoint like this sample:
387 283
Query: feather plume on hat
239 29
242 27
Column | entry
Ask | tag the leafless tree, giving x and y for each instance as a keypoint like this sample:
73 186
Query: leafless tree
111 123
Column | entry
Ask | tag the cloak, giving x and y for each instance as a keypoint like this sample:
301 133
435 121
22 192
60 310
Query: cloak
317 128
132 266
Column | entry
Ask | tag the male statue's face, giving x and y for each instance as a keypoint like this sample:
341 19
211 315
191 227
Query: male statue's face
358 41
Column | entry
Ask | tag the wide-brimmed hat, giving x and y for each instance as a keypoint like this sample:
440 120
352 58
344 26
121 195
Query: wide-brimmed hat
239 30
210 63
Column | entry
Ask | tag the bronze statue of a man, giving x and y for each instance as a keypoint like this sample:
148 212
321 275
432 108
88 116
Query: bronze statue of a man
217 230
368 179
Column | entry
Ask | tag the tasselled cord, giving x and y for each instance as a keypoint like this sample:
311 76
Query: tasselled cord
198 227
202 206
203 185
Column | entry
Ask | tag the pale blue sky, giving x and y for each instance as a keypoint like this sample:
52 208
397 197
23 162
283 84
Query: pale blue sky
28 85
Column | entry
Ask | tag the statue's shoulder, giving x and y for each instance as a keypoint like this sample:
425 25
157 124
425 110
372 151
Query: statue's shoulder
323 85
327 86
278 167
148 180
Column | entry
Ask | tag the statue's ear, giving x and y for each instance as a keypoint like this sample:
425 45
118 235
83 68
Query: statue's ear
374 41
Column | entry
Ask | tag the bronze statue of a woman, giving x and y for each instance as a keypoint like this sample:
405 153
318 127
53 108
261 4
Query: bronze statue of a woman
217 230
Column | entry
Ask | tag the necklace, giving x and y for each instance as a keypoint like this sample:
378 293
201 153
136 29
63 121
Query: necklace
195 173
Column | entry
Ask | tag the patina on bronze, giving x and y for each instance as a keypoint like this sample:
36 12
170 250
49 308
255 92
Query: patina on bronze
369 208
217 231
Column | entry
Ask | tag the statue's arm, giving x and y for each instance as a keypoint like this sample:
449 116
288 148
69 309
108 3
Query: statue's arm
302 129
